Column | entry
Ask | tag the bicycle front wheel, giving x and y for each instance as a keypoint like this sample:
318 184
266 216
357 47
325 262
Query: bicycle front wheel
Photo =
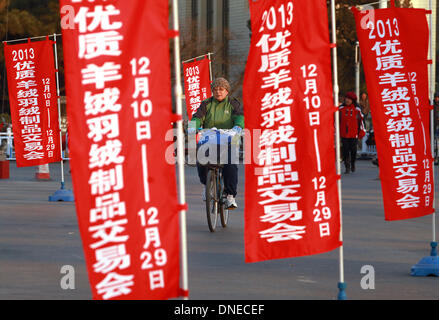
224 213
211 200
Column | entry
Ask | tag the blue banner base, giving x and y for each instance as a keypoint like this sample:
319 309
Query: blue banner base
428 266
341 291
62 195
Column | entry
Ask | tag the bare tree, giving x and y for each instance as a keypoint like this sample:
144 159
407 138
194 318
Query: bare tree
195 43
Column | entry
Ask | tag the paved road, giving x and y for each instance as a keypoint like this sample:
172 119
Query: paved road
38 237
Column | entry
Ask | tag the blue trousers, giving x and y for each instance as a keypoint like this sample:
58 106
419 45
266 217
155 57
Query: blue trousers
230 174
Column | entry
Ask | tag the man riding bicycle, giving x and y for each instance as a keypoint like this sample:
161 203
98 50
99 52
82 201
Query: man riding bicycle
221 112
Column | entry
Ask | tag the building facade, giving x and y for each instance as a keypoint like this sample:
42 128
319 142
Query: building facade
219 27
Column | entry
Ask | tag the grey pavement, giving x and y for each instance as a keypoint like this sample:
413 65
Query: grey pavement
38 237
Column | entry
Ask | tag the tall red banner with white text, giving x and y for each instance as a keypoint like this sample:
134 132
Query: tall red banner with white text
196 84
33 101
119 109
291 196
394 48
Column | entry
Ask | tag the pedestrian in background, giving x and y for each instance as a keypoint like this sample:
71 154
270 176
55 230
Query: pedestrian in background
351 129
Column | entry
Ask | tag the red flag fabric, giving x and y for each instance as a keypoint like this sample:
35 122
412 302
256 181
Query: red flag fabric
33 102
196 84
291 194
394 48
119 109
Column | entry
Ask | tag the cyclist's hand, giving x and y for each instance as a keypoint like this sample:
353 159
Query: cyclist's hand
191 130
237 129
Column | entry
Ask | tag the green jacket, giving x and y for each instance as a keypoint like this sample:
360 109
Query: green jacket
221 115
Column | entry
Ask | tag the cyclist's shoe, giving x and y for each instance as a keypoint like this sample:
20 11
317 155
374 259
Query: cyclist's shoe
231 202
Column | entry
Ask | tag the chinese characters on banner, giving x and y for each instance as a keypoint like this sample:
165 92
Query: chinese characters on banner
33 101
394 51
196 84
119 106
291 207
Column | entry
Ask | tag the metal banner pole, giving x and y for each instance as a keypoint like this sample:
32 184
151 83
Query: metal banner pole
62 194
194 59
357 69
383 4
432 87
180 153
210 67
27 39
341 284
429 265
59 109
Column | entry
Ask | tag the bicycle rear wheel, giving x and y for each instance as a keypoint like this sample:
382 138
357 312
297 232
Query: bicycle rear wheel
211 200
224 213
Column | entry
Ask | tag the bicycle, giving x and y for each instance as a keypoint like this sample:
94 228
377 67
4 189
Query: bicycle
215 198
214 194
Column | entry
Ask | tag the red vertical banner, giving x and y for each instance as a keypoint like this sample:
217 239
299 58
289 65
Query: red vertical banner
196 84
394 48
119 109
291 203
33 101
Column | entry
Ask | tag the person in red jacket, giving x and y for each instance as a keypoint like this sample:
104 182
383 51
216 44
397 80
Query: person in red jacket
351 129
